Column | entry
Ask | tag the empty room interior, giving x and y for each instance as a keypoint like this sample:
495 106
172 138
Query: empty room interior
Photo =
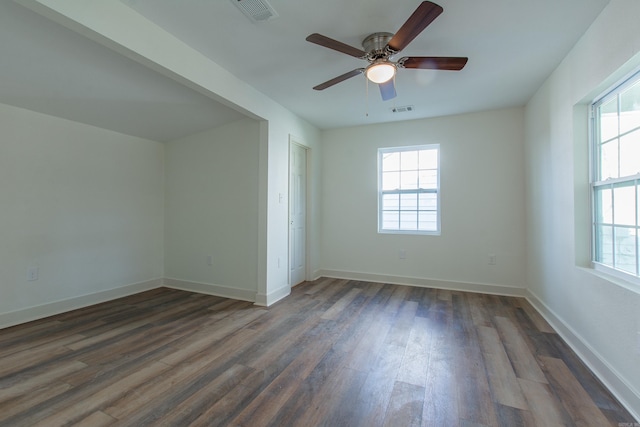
196 230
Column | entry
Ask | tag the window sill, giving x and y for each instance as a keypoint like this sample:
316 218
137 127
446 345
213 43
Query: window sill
410 232
618 278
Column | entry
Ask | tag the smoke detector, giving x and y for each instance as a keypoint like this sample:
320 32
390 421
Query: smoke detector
256 10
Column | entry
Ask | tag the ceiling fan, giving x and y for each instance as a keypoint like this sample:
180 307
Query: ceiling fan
379 48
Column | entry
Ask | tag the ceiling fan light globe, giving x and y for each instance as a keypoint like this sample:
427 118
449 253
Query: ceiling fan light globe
380 72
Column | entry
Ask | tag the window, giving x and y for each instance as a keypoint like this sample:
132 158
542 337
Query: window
616 179
408 190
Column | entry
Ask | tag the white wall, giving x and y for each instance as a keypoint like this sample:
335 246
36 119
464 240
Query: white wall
282 126
82 204
212 209
482 187
600 318
120 28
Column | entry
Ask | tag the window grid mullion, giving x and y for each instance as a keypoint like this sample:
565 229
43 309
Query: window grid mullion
620 135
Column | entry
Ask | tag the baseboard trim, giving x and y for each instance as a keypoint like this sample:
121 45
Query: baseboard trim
210 289
62 306
621 389
316 275
426 283
265 300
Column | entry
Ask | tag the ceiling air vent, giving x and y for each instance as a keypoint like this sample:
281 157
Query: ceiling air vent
256 10
403 109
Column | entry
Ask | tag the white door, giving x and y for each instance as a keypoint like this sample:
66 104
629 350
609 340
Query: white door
297 213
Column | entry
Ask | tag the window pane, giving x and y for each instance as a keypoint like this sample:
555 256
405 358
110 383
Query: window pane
391 202
604 244
609 160
624 204
428 159
409 160
409 201
391 162
630 154
630 108
428 179
604 208
428 221
409 220
409 180
390 180
638 252
391 220
616 151
428 201
406 174
625 247
609 120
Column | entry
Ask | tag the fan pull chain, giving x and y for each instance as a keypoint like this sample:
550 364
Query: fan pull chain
366 112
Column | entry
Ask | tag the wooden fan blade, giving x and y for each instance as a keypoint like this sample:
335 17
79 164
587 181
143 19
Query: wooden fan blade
339 79
418 21
325 41
433 62
387 90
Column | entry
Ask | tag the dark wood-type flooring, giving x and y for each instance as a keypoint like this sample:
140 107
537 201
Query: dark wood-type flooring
334 353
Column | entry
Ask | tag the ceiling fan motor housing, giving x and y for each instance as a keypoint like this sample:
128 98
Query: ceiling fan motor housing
376 46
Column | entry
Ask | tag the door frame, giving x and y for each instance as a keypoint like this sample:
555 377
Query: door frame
297 142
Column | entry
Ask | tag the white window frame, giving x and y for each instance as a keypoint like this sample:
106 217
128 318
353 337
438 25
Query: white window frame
381 192
597 185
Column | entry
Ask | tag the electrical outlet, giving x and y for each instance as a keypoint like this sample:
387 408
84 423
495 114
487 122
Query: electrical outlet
492 259
402 254
209 259
32 274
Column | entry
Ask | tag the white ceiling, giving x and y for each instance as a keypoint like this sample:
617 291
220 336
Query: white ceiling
512 45
47 68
